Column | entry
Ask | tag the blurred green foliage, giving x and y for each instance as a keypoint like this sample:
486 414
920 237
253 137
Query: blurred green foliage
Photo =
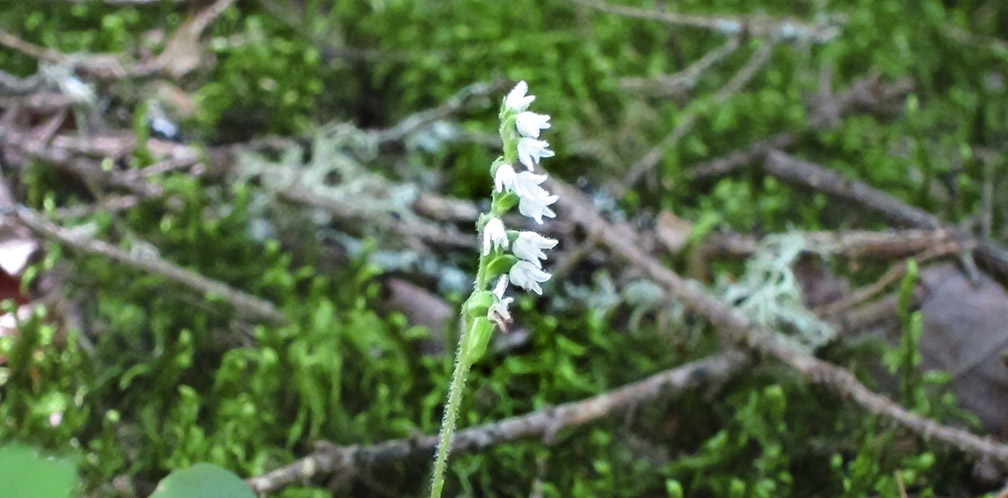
169 379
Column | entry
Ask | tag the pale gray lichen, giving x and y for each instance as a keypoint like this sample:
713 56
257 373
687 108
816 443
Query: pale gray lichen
770 295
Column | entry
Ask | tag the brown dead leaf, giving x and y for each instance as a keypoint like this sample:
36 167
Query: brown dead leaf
966 333
673 232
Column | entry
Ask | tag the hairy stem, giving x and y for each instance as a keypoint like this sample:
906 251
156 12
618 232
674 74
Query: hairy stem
451 412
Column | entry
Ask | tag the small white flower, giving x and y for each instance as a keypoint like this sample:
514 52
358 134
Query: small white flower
516 100
494 234
527 276
498 311
504 178
530 123
526 184
529 247
536 204
531 150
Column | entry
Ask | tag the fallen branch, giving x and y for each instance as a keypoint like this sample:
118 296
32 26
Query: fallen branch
890 277
544 424
746 73
672 85
826 111
753 26
210 288
454 104
736 329
889 244
803 173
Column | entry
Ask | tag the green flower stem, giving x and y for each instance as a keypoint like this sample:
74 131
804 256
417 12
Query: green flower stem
451 412
465 356
476 330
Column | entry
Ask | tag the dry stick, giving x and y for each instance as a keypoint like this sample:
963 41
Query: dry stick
13 42
850 243
820 179
743 76
756 26
544 424
116 2
460 100
679 83
867 93
736 328
895 273
427 232
255 306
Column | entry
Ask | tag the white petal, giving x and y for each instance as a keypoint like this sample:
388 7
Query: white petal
500 287
531 150
516 100
530 124
527 184
504 178
537 208
527 276
529 246
494 234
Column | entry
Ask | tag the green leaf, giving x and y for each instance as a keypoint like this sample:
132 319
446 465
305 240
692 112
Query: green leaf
202 480
26 474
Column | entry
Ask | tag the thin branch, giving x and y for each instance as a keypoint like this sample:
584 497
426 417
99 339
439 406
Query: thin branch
419 229
679 83
826 111
14 43
544 424
895 273
737 329
208 287
647 162
792 170
820 179
454 104
756 26
116 2
851 243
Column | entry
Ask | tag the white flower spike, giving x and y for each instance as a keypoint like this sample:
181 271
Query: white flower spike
516 100
529 123
531 150
527 276
529 246
494 235
504 178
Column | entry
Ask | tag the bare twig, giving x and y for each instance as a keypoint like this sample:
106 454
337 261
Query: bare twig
544 424
116 2
820 179
679 83
895 273
210 288
736 328
414 228
868 93
647 162
13 42
454 104
756 26
792 170
852 243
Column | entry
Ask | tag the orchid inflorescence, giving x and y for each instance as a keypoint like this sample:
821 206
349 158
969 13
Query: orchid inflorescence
510 256
520 129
